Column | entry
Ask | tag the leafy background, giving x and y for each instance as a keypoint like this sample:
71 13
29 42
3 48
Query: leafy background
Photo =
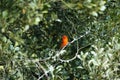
30 37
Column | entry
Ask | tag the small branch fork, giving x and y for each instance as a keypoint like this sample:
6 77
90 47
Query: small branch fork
78 49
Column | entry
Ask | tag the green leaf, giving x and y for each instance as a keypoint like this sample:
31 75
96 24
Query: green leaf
4 14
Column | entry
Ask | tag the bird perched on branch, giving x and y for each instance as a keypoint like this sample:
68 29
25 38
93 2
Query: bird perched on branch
64 41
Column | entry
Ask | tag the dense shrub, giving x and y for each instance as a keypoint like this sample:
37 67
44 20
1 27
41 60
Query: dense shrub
30 37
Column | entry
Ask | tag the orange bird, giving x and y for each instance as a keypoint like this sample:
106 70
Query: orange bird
64 41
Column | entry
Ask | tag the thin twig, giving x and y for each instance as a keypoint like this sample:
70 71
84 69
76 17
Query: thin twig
43 69
68 60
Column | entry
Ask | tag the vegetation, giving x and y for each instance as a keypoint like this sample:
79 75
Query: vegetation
30 37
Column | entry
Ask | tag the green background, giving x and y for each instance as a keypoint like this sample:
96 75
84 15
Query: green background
30 37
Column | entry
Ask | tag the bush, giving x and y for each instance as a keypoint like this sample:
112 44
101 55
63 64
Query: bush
30 37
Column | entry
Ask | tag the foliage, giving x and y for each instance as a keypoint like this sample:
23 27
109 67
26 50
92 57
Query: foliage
30 36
